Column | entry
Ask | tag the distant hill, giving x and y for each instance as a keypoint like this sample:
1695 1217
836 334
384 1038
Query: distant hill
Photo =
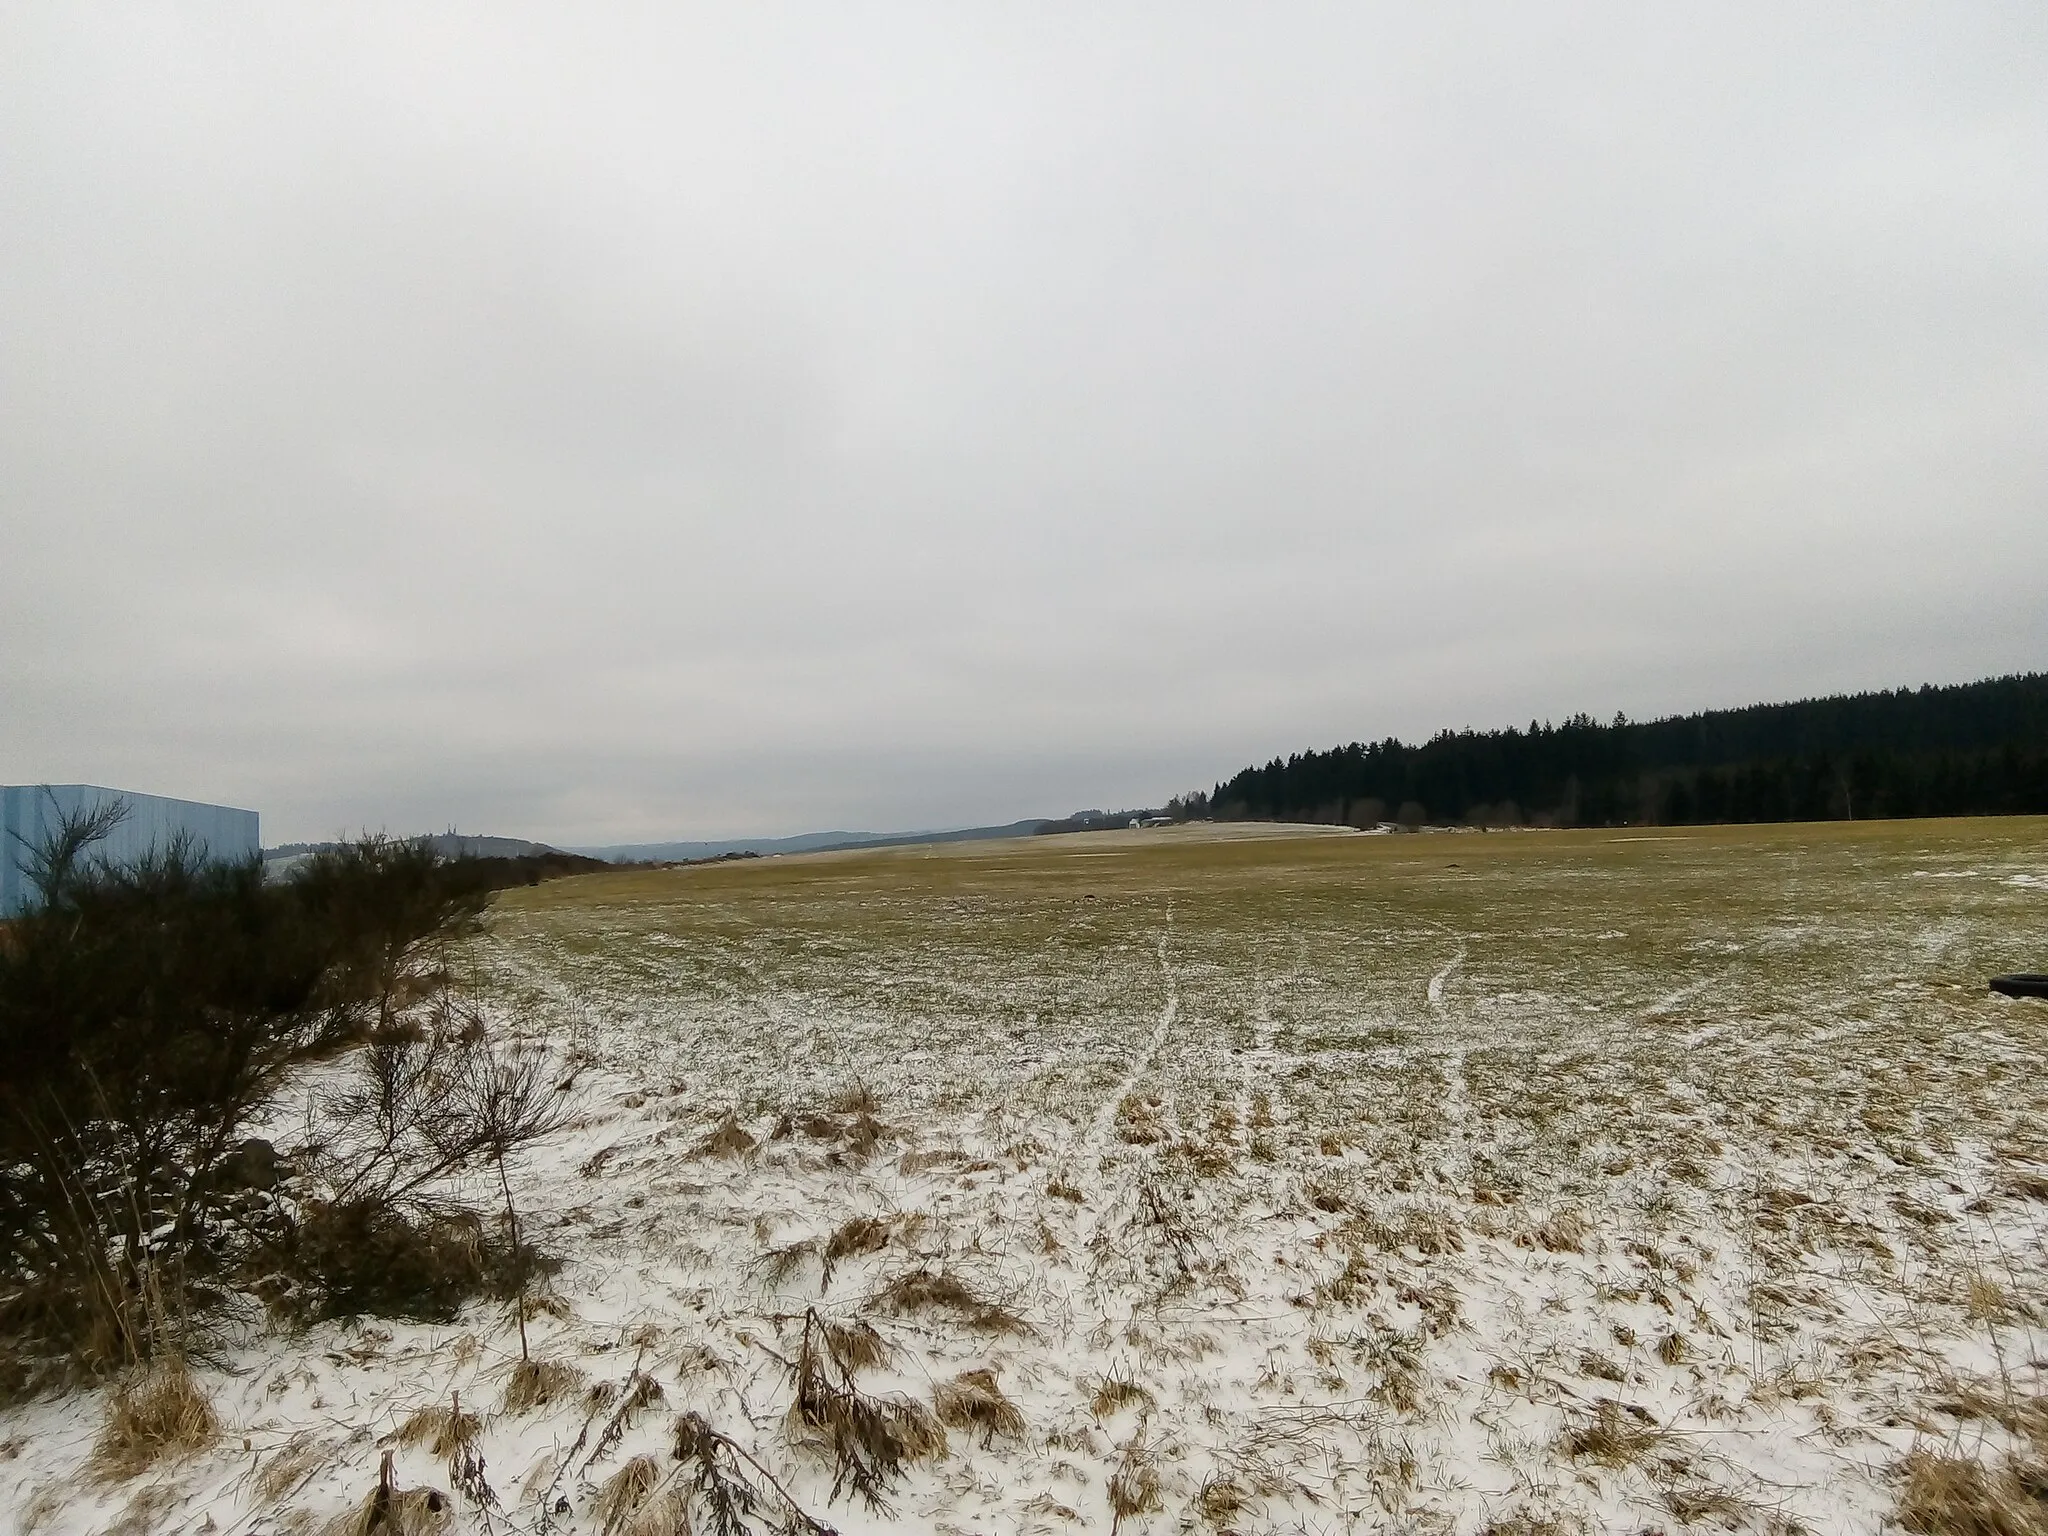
1965 750
450 845
807 842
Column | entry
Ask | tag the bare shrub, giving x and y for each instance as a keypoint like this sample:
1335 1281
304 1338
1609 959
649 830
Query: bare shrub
871 1440
973 1401
148 1015
433 1097
724 1499
159 1414
372 1257
640 1391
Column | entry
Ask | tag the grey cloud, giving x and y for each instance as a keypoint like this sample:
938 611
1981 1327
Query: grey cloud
657 422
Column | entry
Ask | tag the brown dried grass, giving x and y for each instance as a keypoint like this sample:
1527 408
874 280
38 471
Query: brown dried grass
973 1401
161 1413
728 1139
537 1383
388 1510
290 1464
633 1501
1114 1393
1616 1435
445 1429
1956 1496
931 1290
1133 1484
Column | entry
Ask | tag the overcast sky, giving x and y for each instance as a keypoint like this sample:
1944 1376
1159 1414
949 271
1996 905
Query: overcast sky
609 423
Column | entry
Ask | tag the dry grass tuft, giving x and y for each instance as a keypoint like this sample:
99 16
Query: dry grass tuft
1956 1496
729 1139
2028 1185
1985 1301
289 1465
932 1290
634 1502
854 1346
1563 1232
1115 1393
1221 1500
1133 1485
389 1510
537 1383
1532 1522
162 1413
859 1236
972 1401
778 1265
1429 1231
445 1429
857 1098
1137 1121
1617 1435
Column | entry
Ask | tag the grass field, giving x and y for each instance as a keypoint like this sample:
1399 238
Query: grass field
1255 1178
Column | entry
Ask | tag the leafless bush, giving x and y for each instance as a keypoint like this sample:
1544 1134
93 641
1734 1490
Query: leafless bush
723 1497
376 1231
871 1440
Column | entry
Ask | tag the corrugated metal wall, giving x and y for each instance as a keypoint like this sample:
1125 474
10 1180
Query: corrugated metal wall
29 813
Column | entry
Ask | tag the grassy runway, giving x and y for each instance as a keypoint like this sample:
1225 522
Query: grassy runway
1594 1178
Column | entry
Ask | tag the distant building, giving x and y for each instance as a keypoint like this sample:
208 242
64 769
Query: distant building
31 813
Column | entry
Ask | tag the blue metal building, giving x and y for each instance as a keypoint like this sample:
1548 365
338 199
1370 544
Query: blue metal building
30 813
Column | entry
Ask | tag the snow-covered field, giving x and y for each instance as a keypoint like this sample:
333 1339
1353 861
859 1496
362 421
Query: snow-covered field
1277 1181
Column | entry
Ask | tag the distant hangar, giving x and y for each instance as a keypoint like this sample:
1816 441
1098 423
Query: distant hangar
31 813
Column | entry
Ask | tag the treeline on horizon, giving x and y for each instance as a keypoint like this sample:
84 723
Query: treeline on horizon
1970 749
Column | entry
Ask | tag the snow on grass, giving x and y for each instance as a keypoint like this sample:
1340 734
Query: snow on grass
1507 1182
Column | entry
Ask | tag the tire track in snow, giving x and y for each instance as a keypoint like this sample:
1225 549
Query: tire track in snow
1436 982
1457 1104
1098 1129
